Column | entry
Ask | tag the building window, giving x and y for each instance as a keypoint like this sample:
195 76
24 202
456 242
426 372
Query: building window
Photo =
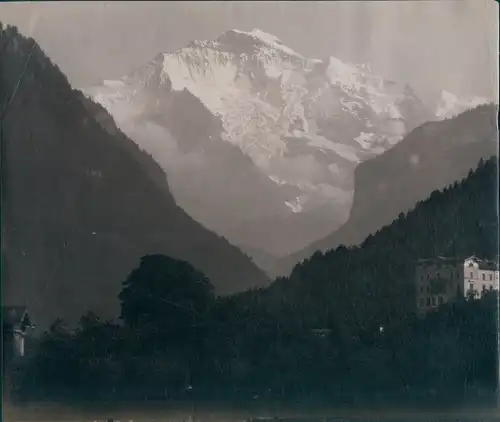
440 300
421 289
428 289
422 302
491 277
428 301
471 274
484 277
433 301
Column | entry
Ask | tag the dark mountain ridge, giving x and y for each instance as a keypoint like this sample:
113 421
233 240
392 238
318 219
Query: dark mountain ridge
81 203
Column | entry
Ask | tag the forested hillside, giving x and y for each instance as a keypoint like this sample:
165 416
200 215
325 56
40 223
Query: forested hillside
373 281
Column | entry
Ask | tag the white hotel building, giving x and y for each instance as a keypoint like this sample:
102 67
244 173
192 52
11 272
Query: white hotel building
442 280
479 275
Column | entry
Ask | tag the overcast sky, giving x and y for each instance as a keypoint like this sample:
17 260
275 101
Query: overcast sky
440 44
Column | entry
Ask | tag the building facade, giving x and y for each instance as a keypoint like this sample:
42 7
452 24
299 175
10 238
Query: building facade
16 325
479 276
441 280
438 281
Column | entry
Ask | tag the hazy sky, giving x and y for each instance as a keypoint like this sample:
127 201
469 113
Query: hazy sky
440 44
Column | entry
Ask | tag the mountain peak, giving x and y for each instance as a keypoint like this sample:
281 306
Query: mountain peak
301 124
261 35
264 38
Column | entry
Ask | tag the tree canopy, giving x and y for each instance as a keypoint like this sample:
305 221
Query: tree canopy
163 292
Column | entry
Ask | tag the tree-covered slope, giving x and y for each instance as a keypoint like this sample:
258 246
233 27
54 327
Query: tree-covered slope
374 281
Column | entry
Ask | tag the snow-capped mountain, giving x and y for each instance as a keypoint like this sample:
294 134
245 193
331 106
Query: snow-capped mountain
255 137
449 105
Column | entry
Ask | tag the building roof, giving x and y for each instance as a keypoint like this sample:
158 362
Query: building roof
438 260
473 258
321 332
483 264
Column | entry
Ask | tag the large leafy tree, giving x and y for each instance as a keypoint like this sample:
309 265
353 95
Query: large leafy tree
165 294
166 303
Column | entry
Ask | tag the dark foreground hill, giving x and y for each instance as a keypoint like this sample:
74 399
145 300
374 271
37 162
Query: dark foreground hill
81 203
